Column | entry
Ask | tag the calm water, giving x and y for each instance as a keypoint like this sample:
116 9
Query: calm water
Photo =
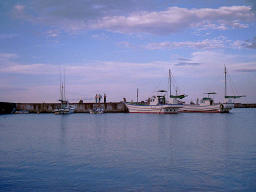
128 152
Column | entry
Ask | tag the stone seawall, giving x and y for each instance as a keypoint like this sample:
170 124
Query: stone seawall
245 105
116 107
7 108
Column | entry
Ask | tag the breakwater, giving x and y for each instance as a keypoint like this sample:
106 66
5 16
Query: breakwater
245 105
6 108
111 107
115 107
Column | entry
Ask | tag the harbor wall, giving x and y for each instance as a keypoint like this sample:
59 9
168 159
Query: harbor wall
115 107
7 108
245 105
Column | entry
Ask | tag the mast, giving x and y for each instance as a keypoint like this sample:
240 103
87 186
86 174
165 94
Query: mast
170 82
137 95
225 72
64 89
60 85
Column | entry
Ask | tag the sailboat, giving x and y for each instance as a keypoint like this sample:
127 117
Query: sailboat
207 104
158 103
65 107
174 99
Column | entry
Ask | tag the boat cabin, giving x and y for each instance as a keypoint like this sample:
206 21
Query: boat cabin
159 99
206 101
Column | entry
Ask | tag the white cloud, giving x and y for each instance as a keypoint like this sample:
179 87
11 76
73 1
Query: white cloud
176 19
19 8
52 33
168 21
204 44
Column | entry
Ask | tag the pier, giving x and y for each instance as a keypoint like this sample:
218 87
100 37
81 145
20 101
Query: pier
111 107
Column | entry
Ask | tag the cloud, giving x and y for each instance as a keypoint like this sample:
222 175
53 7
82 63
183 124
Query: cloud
253 5
19 8
8 36
247 70
52 33
187 64
204 44
250 44
119 16
176 19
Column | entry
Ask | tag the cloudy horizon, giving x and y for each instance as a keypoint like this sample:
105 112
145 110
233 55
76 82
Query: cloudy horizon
116 46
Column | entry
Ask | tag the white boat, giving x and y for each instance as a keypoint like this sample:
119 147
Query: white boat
97 110
207 104
65 107
158 103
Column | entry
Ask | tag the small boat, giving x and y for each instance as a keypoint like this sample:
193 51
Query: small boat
97 110
65 107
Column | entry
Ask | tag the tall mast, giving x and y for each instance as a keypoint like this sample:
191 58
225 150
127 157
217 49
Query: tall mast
170 82
137 95
60 85
64 89
225 72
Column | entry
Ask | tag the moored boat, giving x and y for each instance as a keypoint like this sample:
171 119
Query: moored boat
157 104
65 107
207 104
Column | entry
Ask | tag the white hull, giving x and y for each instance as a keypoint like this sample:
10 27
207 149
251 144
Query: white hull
216 108
64 111
159 109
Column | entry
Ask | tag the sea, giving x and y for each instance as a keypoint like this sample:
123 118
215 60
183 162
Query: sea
128 152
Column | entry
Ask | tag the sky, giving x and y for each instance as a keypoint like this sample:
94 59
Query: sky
117 46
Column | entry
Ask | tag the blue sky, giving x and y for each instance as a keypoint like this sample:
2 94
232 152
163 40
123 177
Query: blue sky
116 46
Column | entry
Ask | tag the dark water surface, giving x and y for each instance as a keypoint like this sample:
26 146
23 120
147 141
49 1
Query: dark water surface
128 152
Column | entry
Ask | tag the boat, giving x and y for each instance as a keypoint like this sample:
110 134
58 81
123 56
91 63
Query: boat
98 109
64 107
207 104
158 103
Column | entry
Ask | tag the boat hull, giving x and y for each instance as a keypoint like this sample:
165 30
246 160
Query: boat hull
62 111
216 108
155 109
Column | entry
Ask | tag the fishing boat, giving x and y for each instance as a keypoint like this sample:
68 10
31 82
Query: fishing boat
158 103
64 107
207 104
